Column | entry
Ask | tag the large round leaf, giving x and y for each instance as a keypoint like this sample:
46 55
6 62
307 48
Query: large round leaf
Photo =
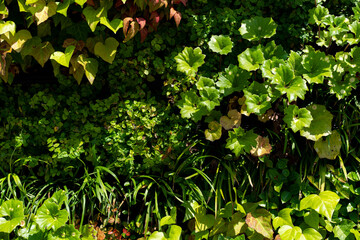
233 80
257 28
297 118
11 215
251 59
50 216
67 232
241 142
221 44
329 147
320 125
189 60
214 131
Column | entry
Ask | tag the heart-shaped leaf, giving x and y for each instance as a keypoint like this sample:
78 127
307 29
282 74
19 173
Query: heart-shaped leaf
241 142
214 131
317 66
251 59
320 125
11 215
92 16
237 225
63 58
311 218
45 11
8 26
189 60
260 221
296 118
63 7
80 2
329 147
168 220
283 218
17 42
49 216
221 44
232 120
262 148
203 221
257 28
107 51
295 233
114 25
41 51
233 80
342 230
324 203
67 232
90 66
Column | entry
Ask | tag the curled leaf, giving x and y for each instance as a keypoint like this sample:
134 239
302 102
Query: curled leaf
233 120
262 148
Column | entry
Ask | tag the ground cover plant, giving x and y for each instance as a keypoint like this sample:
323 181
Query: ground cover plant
230 120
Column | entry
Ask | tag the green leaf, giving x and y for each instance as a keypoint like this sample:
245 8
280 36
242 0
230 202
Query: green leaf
260 221
288 84
189 60
80 2
356 233
8 26
114 25
324 203
311 218
44 12
59 197
296 118
257 98
31 232
343 86
17 42
237 225
342 230
88 232
257 28
219 227
49 216
63 7
269 66
295 233
320 125
295 63
317 66
63 58
157 236
90 66
241 142
67 232
174 232
221 44
40 51
204 83
283 218
190 106
233 80
214 131
329 147
92 16
168 220
318 14
210 98
274 51
251 59
107 51
11 215
203 221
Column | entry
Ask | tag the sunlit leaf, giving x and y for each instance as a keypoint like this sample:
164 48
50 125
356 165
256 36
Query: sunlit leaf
63 58
189 60
262 148
88 233
107 51
342 230
295 233
7 26
343 86
318 14
317 66
221 44
257 99
11 215
90 66
274 51
251 59
49 216
297 118
268 68
168 220
232 120
237 225
260 221
214 131
257 28
45 11
329 147
283 218
233 79
241 142
67 232
114 25
92 16
203 221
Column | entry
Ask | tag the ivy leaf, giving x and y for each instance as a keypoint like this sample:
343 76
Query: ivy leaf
62 8
241 142
257 28
209 98
260 221
297 118
262 148
214 131
107 51
63 58
294 87
233 120
317 66
269 66
320 125
312 219
49 216
318 14
295 233
8 26
283 218
251 59
114 25
40 51
221 44
274 51
76 69
324 203
233 80
343 86
11 215
90 66
80 2
257 99
18 40
92 16
342 230
329 147
45 11
237 225
168 220
189 60
67 232
203 221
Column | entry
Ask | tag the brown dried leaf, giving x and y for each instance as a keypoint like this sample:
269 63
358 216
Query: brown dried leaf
263 147
233 120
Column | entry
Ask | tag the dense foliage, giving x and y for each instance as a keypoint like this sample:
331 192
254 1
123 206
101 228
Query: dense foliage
231 120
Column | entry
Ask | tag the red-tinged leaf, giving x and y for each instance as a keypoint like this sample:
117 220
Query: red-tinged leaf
132 10
143 34
141 22
118 3
69 42
155 5
90 3
155 19
177 18
126 23
172 12
133 29
181 1
260 221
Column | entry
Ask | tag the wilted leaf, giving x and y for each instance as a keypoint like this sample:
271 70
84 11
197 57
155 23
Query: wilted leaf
176 15
233 120
189 60
221 44
262 148
260 221
257 28
320 125
214 131
329 147
107 51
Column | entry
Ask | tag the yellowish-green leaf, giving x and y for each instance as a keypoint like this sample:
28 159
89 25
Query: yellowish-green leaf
107 51
45 12
8 26
17 42
232 120
329 147
114 25
63 58
90 66
214 131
